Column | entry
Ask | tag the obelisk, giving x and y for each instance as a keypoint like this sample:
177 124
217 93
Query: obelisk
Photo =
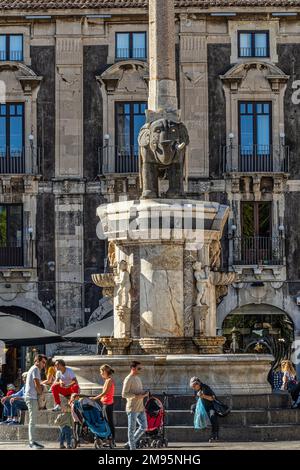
162 85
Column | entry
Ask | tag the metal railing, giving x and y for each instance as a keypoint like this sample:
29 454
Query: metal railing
255 158
116 159
256 52
25 160
258 251
11 254
135 53
16 56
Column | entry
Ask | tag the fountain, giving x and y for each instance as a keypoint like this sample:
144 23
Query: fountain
164 256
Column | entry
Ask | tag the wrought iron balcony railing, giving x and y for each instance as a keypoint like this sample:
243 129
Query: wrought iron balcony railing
253 52
114 159
255 158
258 251
25 160
11 254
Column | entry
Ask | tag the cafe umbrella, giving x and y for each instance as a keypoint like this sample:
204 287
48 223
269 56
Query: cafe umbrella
16 332
89 334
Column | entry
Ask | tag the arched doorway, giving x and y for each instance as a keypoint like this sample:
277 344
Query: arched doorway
259 329
20 358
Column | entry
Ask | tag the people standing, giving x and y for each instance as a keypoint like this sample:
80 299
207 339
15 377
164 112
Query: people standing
65 383
33 388
134 394
107 397
207 395
289 382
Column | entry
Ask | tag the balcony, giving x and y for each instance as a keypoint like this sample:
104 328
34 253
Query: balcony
255 158
11 254
253 52
258 251
114 159
27 160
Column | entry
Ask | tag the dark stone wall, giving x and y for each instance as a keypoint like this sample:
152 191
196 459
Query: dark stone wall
292 240
45 246
289 62
94 63
218 56
94 251
43 63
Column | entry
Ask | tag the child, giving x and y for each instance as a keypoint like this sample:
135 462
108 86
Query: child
77 422
64 421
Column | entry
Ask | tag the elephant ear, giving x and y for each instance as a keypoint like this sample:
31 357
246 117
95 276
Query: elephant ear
183 134
144 136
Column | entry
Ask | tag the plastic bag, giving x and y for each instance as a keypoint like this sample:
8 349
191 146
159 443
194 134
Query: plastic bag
201 420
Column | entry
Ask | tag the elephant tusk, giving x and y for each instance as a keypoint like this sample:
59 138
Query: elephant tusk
180 146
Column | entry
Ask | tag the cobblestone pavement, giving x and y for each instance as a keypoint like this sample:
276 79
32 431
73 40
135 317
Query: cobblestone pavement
280 445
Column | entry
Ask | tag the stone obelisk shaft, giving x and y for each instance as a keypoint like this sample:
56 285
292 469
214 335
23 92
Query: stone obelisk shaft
162 85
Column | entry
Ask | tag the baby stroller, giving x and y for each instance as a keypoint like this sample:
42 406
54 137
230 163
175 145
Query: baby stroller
155 413
93 423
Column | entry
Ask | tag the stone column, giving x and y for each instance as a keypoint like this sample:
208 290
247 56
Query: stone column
162 85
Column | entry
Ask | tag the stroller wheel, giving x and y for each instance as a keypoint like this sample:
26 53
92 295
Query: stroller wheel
98 444
74 443
153 444
159 443
166 442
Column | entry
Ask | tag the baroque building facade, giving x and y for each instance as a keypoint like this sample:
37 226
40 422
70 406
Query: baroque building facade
74 89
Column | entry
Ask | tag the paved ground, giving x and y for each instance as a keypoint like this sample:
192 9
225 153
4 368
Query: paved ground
287 445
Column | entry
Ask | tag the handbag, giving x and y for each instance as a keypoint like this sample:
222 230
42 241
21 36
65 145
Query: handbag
220 408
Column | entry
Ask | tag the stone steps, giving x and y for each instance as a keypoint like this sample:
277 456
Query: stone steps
253 418
236 402
175 433
184 417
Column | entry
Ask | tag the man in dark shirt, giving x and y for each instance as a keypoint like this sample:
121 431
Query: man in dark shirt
207 395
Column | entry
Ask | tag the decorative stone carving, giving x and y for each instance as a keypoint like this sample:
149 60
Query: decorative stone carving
133 74
112 254
116 346
122 292
162 144
215 255
202 280
221 281
106 281
190 258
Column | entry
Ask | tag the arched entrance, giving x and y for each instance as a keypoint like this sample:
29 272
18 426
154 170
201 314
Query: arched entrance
259 329
20 358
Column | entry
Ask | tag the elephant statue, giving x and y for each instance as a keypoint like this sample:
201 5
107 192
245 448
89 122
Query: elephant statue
162 145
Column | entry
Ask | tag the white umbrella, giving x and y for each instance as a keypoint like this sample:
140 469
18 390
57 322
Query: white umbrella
16 332
89 334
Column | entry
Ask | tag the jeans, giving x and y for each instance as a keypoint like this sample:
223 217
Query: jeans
135 434
108 413
213 417
65 435
12 410
33 409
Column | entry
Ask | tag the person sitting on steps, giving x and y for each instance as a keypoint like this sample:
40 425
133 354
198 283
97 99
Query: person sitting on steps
65 383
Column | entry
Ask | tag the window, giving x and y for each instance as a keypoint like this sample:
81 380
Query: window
130 117
11 235
131 45
253 44
12 138
256 219
11 47
255 136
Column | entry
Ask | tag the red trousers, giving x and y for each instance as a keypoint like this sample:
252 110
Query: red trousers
57 390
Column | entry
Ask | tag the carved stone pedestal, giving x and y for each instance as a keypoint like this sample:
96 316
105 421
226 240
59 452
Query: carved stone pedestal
210 344
168 345
116 346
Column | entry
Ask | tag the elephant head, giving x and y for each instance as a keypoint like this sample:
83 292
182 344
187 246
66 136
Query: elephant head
165 138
